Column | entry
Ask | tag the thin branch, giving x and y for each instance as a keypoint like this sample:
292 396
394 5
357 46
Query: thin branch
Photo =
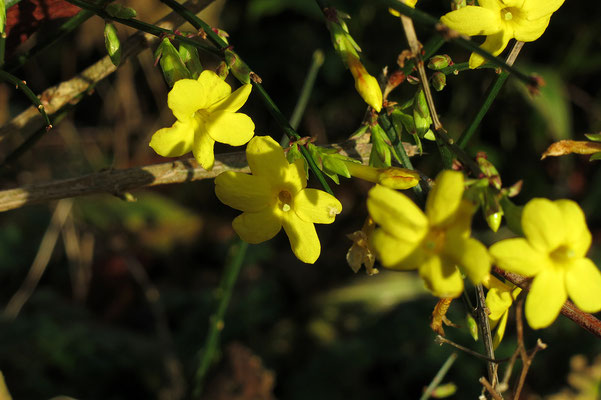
18 300
439 376
441 339
483 323
70 92
490 389
118 181
569 309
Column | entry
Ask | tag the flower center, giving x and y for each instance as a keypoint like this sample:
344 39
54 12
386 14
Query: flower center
563 253
284 200
435 240
506 14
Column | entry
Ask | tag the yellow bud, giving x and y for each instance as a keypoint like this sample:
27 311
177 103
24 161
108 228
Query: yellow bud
392 177
365 84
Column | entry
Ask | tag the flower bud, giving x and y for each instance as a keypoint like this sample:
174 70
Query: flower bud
439 81
189 55
392 177
439 62
172 65
365 84
112 43
119 11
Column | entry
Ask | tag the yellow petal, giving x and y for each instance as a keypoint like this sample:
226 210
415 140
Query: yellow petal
392 251
316 206
214 89
500 332
266 158
302 236
529 31
445 197
498 302
543 225
230 128
473 20
295 176
243 192
203 149
186 97
257 227
536 9
494 5
397 214
442 278
174 141
577 235
369 89
470 255
494 44
583 281
547 295
516 255
234 101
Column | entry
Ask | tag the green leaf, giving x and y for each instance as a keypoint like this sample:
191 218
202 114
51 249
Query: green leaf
596 156
595 137
189 55
172 65
112 43
118 11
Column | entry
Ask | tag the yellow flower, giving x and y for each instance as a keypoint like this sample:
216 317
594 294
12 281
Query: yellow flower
500 21
365 84
554 253
276 195
499 299
436 242
206 113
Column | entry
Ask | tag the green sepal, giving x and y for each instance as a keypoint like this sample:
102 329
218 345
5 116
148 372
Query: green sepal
595 137
189 55
118 11
380 150
359 132
171 63
112 43
596 156
513 215
294 154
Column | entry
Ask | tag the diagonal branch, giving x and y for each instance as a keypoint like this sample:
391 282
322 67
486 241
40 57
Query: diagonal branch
118 181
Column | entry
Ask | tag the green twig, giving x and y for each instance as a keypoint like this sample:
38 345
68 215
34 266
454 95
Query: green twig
439 376
453 36
490 96
21 84
228 280
303 98
144 27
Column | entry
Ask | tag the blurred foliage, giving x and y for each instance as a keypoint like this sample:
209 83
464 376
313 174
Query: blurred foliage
323 331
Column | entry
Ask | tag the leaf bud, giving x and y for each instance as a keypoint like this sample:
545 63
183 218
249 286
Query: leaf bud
172 65
439 81
238 67
112 43
439 62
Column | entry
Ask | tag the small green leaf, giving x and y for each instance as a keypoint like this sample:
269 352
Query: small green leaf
596 156
335 166
595 137
380 156
172 65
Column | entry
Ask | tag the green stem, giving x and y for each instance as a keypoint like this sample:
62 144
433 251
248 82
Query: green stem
269 103
303 99
426 19
446 141
399 150
144 27
491 94
439 376
228 280
5 76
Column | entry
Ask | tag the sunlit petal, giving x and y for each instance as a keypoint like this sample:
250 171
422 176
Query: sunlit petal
531 30
494 44
214 89
583 281
266 158
516 255
445 197
316 206
174 141
234 101
577 235
470 255
472 20
257 227
302 236
442 278
536 9
203 149
186 97
391 251
543 224
547 295
243 192
231 128
397 214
